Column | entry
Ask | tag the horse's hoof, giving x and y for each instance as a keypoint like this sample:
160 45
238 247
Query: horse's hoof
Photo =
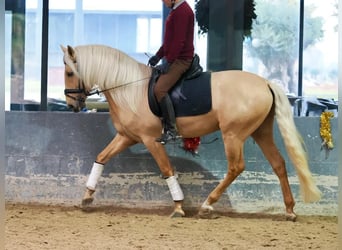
87 201
207 214
88 197
291 217
178 213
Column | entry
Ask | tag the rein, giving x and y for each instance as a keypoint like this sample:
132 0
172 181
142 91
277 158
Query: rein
82 90
96 91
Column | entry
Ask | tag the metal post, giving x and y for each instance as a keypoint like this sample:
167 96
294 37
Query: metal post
166 12
18 8
300 52
44 58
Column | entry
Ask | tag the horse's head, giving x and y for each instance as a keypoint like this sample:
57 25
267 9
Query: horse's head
74 91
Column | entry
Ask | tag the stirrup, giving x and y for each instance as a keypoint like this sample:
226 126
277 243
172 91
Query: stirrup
168 136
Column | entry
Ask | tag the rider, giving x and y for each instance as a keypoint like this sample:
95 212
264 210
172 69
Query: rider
177 51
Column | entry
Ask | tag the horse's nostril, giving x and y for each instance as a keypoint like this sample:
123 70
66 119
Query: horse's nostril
70 106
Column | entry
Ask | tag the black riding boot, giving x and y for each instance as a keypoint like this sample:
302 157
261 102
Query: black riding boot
169 121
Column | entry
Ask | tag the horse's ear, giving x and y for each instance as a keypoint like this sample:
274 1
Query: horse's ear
63 48
71 53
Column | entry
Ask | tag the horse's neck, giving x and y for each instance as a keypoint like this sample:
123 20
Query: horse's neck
141 73
110 67
113 108
130 101
145 70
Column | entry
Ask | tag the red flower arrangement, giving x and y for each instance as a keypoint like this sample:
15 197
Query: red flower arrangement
191 145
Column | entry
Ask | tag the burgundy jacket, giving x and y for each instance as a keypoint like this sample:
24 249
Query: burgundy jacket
179 34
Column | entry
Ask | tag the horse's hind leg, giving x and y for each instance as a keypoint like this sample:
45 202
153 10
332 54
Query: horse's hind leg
236 165
117 145
264 138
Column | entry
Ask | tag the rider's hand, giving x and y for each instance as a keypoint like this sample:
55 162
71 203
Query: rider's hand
164 67
153 60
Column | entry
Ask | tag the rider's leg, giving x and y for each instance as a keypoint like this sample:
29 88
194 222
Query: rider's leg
165 82
169 120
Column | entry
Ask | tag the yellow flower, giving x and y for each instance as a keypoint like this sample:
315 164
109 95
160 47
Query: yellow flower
325 129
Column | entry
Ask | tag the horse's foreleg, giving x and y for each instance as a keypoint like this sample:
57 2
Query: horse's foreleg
118 144
236 165
177 196
159 154
95 174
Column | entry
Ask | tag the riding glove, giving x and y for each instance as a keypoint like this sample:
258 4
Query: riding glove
164 67
153 60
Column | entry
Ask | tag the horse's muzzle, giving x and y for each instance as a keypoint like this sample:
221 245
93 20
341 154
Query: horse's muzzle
74 108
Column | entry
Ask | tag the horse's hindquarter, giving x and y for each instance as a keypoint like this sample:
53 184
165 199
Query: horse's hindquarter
240 99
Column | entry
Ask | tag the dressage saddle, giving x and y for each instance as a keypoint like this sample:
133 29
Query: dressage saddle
190 96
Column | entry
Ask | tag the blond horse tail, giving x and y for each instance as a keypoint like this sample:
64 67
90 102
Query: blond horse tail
294 145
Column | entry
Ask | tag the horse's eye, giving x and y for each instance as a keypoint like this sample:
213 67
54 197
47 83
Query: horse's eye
70 74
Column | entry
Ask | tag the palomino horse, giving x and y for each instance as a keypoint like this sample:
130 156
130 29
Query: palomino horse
243 105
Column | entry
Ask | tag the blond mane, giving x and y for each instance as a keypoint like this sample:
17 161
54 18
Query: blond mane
105 68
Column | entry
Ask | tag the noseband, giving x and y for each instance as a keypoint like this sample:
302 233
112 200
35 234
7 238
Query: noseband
80 90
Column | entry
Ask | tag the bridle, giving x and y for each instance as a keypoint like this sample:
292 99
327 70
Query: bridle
80 90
